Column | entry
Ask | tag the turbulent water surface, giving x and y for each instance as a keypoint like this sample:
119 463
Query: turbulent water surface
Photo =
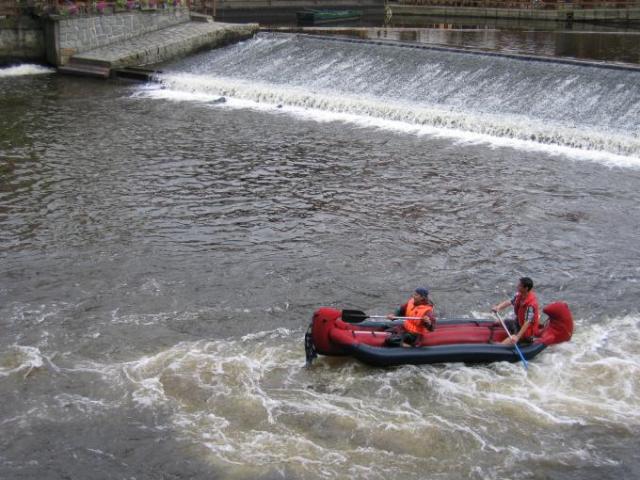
162 248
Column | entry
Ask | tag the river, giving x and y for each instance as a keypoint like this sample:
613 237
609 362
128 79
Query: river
163 246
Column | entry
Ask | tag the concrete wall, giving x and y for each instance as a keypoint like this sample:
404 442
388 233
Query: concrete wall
67 36
8 8
21 38
197 36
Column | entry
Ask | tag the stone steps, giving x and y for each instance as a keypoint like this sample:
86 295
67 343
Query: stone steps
86 68
136 73
159 46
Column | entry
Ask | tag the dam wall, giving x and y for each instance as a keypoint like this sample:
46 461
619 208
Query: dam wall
21 38
68 36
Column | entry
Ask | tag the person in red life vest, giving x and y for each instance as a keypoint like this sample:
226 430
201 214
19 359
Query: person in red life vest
420 308
525 306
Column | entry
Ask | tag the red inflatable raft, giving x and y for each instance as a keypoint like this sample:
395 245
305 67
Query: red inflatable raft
453 340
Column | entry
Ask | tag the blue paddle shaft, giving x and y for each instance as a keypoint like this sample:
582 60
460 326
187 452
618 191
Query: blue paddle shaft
524 360
515 344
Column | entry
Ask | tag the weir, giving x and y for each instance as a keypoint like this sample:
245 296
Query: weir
527 102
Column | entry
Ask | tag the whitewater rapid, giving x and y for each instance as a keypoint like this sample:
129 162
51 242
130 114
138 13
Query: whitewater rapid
249 403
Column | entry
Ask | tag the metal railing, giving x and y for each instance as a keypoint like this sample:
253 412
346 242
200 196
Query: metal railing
527 4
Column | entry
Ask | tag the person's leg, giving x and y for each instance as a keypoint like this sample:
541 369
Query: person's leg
409 339
393 340
512 325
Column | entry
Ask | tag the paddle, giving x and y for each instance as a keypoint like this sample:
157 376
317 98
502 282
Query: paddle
515 344
357 316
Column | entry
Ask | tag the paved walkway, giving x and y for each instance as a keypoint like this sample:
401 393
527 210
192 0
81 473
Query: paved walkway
166 44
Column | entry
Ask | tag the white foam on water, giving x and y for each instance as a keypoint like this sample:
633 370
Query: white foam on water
153 91
603 366
498 130
23 70
37 314
140 319
81 403
20 359
149 392
248 404
278 333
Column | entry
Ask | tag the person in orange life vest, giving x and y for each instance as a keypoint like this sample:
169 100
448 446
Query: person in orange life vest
421 309
525 306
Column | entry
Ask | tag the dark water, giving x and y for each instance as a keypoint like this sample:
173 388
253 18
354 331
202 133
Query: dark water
161 252
605 42
587 43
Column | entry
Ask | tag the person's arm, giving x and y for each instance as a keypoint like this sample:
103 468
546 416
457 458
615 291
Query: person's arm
398 313
516 338
501 306
429 320
528 316
432 313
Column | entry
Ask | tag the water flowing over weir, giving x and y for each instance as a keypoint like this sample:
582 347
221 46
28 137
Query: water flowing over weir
578 110
24 70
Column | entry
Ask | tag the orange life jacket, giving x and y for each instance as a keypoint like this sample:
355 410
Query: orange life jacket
520 307
416 326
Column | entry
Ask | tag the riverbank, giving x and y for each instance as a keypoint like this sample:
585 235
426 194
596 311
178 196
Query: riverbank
563 13
158 46
96 44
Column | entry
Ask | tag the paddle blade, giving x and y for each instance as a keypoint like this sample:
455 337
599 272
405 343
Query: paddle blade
353 316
